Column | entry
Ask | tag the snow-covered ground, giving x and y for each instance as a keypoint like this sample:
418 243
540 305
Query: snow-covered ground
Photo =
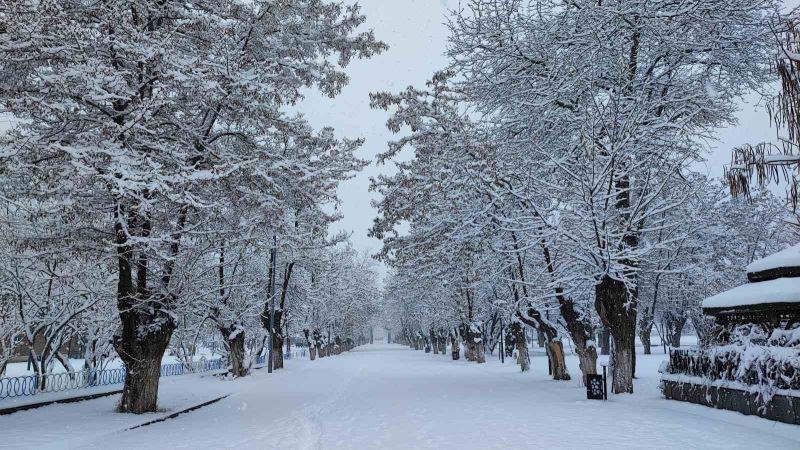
389 397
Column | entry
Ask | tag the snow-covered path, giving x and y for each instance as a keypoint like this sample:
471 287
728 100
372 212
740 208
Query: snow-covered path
390 397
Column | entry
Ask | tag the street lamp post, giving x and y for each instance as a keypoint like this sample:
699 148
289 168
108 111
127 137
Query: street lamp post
272 303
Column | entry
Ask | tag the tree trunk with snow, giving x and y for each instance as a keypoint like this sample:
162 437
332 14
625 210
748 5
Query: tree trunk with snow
645 332
145 329
581 333
234 344
312 347
142 372
277 351
523 357
558 361
618 312
587 359
480 353
455 348
675 330
555 352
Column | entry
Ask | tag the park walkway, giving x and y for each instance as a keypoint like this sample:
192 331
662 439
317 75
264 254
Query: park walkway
387 396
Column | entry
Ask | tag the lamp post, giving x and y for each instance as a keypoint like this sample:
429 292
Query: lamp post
273 261
502 347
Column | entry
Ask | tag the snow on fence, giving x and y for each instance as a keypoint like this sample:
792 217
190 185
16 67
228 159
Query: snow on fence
58 382
764 367
751 379
28 385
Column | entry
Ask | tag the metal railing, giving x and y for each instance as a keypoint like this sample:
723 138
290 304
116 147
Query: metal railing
28 385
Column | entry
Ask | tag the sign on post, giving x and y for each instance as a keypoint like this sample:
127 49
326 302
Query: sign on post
594 387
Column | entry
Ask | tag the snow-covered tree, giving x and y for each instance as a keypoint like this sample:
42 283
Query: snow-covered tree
608 102
145 116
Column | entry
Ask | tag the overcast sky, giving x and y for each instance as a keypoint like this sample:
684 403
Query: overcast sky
417 35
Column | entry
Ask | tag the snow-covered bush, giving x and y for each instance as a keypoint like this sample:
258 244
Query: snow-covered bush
755 361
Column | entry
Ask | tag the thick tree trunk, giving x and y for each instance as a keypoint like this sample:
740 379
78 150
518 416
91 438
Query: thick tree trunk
277 351
622 370
145 329
555 352
559 364
619 315
141 352
518 338
338 348
580 330
469 350
675 339
479 353
455 348
523 357
510 341
140 392
644 335
587 359
675 331
146 321
312 346
434 343
581 334
233 335
473 343
236 353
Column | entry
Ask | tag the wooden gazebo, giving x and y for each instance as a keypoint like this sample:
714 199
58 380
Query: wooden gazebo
740 370
771 296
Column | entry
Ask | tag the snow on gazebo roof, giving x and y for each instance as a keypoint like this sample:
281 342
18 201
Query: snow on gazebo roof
762 295
785 263
773 290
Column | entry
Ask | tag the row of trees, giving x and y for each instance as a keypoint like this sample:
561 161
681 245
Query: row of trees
554 182
156 184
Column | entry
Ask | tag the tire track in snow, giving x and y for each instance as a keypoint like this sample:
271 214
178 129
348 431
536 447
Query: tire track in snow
311 417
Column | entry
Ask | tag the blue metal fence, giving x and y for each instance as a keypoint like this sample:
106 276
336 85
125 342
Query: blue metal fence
58 382
28 385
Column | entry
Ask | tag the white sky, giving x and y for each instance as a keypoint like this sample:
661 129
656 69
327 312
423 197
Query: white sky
417 36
